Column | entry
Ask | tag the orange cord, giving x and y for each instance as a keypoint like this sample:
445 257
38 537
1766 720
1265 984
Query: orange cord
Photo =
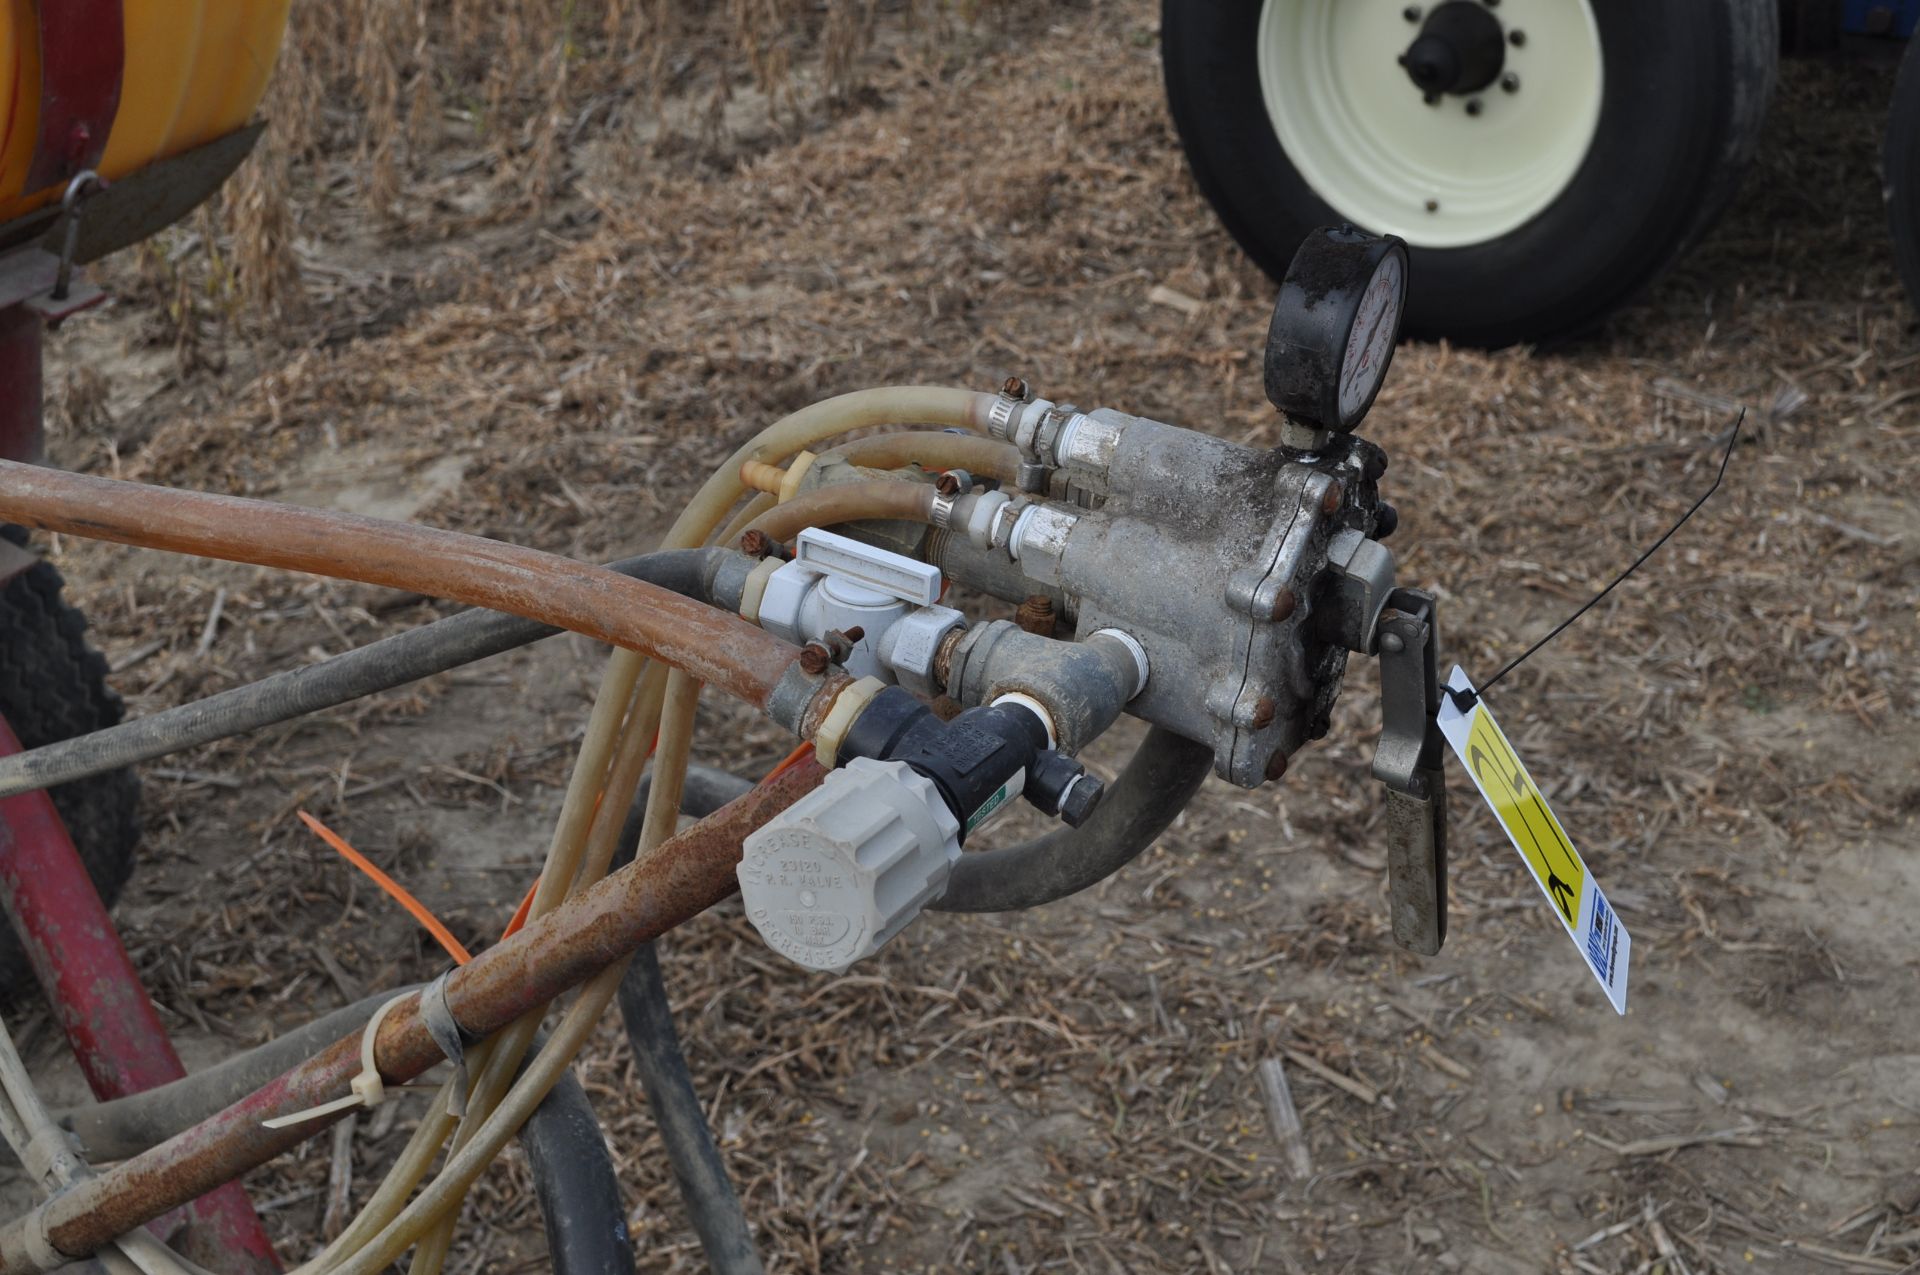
788 762
417 909
520 913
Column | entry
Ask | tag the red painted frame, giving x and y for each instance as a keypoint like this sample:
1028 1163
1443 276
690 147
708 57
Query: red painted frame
113 1027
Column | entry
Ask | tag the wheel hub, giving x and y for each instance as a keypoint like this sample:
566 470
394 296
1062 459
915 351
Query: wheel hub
1461 49
1450 168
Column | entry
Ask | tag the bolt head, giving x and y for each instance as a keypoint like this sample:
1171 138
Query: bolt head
1510 82
1276 765
1433 205
1263 711
1475 106
1411 13
1284 604
1516 37
756 544
1330 503
814 659
1392 643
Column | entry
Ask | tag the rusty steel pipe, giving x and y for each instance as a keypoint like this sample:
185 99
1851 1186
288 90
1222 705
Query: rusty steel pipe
607 922
713 646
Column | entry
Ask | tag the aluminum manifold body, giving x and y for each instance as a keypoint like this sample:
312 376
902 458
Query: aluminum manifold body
1245 575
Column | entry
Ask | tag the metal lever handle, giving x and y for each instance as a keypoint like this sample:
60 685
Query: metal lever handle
1408 761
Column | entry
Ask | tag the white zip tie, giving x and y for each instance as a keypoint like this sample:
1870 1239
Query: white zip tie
368 1091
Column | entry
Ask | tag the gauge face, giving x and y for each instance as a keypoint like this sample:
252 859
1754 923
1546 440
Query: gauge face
1370 343
1334 327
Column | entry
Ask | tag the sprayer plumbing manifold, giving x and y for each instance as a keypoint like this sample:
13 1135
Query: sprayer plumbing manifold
1216 592
1211 590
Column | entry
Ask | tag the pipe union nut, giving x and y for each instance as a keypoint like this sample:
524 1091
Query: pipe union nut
1039 541
911 647
986 508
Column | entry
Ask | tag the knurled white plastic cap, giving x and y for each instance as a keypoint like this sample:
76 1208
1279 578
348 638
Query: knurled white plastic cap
844 869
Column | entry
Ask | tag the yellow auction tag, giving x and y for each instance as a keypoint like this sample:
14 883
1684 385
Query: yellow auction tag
1502 778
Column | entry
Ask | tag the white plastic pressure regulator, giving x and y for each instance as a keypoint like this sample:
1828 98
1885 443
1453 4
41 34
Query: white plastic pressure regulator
845 868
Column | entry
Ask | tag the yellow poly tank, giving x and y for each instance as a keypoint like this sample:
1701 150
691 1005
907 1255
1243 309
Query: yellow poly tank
195 70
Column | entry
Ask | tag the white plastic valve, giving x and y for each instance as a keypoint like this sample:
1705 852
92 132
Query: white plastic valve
837 583
845 868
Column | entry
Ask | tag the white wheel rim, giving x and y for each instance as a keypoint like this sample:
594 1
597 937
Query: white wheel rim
1368 143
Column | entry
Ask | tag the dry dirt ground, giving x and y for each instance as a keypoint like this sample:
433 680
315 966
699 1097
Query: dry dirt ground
1731 738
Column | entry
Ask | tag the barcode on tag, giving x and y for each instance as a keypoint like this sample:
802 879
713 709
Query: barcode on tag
1516 801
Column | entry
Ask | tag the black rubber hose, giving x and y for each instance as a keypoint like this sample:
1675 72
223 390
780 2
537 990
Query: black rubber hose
1150 793
712 1206
573 1179
405 657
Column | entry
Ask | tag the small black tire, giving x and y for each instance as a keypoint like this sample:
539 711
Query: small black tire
1683 93
1903 170
53 686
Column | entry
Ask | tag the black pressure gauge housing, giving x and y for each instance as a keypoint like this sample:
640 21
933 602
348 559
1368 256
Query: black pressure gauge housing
1335 326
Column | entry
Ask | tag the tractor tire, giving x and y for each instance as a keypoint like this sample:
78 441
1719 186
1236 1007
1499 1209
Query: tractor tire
1609 137
53 686
1903 170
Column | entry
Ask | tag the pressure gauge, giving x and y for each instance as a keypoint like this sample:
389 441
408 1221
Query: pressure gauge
1335 326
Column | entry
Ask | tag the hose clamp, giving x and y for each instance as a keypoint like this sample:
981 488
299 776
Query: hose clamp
941 513
1000 415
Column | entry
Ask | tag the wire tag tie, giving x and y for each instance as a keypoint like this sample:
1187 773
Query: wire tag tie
1464 700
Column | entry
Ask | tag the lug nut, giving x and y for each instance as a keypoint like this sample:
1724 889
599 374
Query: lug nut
1330 503
1284 603
1276 765
1263 711
756 543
